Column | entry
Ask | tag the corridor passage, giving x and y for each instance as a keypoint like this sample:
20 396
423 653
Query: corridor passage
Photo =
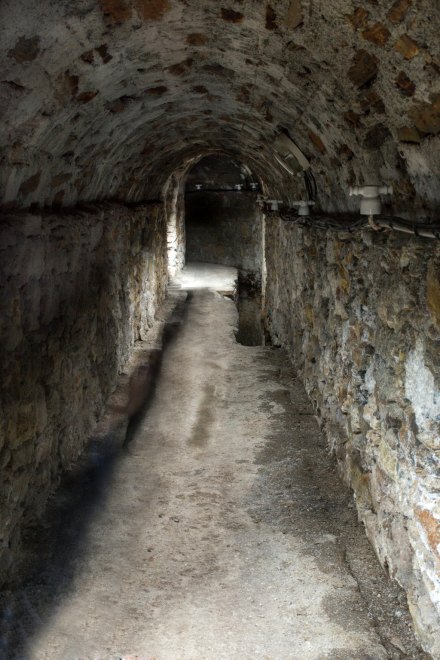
222 531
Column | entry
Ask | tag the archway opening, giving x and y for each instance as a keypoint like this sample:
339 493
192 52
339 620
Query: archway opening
224 229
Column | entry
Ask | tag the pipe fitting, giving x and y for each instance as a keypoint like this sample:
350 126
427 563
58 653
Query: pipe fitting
303 206
370 202
274 204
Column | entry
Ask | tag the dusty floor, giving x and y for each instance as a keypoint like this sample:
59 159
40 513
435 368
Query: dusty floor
221 531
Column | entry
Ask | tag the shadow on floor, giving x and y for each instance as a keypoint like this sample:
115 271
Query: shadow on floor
55 544
142 386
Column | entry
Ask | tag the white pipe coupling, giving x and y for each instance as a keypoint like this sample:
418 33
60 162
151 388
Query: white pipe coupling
274 204
303 206
370 202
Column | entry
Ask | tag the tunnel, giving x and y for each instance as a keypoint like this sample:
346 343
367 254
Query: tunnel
224 226
219 329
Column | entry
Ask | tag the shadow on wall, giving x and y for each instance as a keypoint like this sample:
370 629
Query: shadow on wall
60 538
81 289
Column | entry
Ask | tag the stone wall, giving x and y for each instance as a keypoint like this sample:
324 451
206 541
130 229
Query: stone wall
101 99
224 228
78 290
360 316
175 214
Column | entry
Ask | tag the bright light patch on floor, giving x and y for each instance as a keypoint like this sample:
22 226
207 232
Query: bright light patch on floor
206 276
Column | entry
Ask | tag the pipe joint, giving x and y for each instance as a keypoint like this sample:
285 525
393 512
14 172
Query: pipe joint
370 202
303 206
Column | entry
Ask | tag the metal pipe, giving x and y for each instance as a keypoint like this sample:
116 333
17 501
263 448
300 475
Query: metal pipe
348 223
400 224
221 190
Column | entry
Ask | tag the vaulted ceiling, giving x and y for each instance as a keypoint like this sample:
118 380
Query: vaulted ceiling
103 99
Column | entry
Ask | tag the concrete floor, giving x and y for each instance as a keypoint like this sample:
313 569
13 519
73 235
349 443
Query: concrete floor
206 276
221 532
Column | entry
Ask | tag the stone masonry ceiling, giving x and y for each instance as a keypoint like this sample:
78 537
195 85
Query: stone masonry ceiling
104 99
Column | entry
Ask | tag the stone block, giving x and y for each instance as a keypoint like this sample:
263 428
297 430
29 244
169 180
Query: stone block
118 11
426 116
433 292
26 49
294 14
364 68
70 282
407 47
359 18
430 524
152 10
408 134
378 34
398 11
404 84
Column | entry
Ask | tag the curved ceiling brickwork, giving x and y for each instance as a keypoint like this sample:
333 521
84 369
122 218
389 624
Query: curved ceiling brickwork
105 98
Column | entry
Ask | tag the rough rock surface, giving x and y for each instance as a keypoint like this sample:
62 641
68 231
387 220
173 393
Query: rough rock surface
116 100
221 533
360 317
105 98
173 195
80 290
